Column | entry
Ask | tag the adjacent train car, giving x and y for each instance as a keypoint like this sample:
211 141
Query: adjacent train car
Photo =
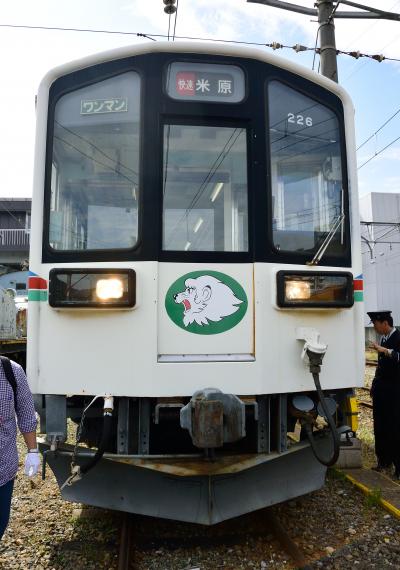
195 291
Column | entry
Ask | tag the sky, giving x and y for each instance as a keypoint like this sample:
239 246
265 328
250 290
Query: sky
28 54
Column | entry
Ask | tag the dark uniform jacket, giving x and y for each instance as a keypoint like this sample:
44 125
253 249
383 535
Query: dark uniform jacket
386 404
387 373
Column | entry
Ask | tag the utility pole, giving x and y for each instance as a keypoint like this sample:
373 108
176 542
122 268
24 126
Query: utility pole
326 32
326 12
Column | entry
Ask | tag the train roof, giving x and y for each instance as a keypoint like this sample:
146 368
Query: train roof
234 51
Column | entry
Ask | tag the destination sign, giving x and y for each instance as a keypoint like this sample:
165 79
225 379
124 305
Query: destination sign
188 83
206 82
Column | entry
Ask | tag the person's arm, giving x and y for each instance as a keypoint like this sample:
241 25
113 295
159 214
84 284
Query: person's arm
373 384
25 409
378 348
393 353
26 418
30 440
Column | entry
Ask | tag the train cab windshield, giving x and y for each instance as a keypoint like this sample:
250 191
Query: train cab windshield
95 167
306 171
205 189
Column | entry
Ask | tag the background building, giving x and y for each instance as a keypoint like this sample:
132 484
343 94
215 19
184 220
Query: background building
17 280
381 254
15 224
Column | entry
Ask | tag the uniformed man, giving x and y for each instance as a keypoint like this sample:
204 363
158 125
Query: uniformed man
385 392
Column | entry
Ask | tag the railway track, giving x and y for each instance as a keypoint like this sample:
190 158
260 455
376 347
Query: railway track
365 404
231 536
286 542
125 556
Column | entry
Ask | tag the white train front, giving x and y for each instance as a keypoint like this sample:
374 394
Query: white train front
195 264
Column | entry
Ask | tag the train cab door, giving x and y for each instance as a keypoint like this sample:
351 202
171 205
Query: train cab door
205 277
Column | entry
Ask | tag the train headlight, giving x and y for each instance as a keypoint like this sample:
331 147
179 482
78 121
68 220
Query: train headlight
314 289
296 290
107 289
92 288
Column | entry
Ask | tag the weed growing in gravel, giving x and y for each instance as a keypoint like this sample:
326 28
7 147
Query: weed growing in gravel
373 499
335 474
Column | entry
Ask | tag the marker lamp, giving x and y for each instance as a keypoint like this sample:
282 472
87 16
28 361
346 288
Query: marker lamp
314 289
92 288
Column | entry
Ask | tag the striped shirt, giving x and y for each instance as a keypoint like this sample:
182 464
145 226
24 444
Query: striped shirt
25 417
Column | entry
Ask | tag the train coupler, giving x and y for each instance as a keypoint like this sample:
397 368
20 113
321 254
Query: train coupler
213 418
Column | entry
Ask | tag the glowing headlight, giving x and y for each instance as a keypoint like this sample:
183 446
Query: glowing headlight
109 289
297 290
92 288
314 289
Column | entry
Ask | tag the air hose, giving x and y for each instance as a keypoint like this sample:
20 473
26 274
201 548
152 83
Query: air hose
315 368
78 471
105 438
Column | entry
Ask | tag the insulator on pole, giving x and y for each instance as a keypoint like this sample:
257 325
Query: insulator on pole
170 7
355 54
378 57
299 47
276 45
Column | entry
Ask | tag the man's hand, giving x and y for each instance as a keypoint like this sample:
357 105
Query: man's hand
32 463
379 348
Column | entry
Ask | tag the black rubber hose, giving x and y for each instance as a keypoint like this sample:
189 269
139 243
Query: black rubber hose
107 427
332 427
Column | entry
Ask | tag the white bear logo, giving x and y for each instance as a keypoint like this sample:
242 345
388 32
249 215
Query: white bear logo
206 299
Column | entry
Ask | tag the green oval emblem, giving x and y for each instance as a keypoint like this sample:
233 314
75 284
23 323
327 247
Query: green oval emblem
206 302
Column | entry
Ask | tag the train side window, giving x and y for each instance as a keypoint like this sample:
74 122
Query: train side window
305 170
95 166
205 206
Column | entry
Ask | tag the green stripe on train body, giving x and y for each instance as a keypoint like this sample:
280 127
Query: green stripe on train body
37 295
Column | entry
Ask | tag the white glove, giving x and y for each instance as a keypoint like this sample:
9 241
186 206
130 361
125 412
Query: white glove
32 463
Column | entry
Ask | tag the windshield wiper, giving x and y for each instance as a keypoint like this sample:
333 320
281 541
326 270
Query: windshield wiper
318 256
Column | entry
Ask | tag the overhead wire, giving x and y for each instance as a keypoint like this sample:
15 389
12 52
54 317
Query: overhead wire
273 45
176 18
315 47
380 128
379 152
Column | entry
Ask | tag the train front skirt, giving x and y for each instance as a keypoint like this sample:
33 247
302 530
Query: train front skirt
191 489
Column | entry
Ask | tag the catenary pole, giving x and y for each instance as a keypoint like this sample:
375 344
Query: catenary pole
327 44
326 12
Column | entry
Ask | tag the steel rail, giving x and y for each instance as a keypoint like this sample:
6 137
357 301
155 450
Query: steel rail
365 404
125 543
286 542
